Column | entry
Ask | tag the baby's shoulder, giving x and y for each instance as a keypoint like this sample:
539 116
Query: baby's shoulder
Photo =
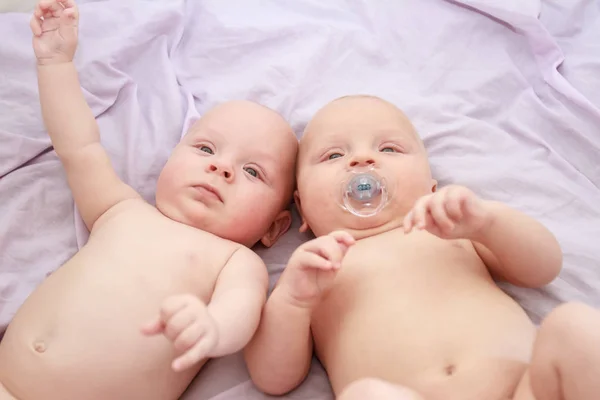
130 209
245 267
245 256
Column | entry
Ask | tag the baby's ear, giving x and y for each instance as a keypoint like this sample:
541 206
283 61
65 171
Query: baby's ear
434 187
304 227
278 228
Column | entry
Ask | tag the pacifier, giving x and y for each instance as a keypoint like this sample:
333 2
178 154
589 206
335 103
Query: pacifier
364 193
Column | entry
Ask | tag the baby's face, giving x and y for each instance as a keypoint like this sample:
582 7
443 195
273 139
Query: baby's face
351 134
232 174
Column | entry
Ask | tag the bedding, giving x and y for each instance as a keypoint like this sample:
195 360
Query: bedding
505 93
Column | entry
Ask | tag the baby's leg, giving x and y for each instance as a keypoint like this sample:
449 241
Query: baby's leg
4 395
376 389
566 356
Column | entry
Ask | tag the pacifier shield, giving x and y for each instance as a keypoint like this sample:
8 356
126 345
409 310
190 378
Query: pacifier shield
364 194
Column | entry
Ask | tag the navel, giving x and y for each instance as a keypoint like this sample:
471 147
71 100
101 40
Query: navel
39 346
450 369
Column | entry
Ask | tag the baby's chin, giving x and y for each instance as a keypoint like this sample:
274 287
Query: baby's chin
363 227
210 226
366 230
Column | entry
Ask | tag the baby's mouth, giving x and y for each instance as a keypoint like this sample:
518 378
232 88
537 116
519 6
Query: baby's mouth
209 190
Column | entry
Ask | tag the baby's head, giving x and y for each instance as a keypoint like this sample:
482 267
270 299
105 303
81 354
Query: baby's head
353 133
232 174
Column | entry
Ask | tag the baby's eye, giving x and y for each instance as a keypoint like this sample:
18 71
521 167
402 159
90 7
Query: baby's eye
206 149
389 150
251 171
333 156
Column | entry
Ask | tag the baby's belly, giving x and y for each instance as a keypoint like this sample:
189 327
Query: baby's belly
78 337
470 342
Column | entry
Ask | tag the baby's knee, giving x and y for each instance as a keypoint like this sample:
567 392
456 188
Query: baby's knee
572 325
372 388
362 388
4 394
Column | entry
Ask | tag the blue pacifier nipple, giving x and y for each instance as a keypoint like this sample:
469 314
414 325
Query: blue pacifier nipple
364 194
364 188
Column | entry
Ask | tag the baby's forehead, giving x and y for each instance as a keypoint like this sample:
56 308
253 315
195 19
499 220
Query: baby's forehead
322 136
252 130
357 116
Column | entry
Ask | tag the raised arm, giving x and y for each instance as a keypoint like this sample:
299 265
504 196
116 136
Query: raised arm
70 123
279 355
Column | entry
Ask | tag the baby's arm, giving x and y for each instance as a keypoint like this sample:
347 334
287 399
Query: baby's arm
70 123
518 249
279 355
224 326
237 301
514 247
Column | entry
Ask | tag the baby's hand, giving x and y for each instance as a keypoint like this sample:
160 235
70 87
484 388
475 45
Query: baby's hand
185 321
54 27
313 267
454 212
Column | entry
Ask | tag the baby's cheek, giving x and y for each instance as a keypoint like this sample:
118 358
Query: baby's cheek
165 183
174 168
319 206
253 210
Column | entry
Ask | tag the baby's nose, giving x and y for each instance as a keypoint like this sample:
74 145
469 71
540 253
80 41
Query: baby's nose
362 161
227 173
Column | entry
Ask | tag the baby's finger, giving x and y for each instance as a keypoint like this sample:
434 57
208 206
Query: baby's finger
41 10
431 225
474 207
454 205
68 17
49 7
69 20
189 337
438 213
37 11
68 4
42 6
407 223
343 237
179 322
331 250
313 260
173 305
419 213
36 26
154 327
326 247
192 356
71 13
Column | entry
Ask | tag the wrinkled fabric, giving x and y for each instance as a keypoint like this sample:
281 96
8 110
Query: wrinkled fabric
505 93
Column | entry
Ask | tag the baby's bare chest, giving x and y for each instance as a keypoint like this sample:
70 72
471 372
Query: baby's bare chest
418 261
405 275
402 284
153 254
414 304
